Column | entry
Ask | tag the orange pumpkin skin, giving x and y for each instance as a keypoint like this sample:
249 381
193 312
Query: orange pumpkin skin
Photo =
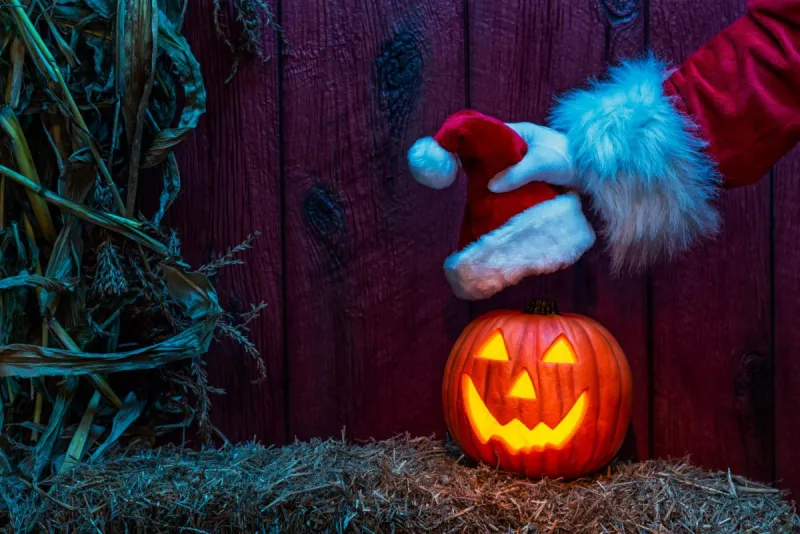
597 383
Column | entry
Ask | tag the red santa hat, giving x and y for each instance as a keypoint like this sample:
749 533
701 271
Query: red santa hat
505 237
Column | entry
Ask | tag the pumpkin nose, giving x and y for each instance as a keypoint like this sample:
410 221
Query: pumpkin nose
523 387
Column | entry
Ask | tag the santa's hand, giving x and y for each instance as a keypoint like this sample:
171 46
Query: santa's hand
547 160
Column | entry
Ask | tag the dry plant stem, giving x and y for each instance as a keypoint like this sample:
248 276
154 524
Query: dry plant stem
32 236
62 45
5 42
11 395
56 81
24 160
54 136
2 201
29 231
97 381
14 83
113 147
127 227
135 67
86 294
37 416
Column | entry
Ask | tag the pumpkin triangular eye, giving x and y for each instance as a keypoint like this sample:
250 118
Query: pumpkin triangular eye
560 352
523 387
494 348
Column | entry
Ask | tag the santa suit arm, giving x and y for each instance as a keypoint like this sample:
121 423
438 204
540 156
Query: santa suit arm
652 146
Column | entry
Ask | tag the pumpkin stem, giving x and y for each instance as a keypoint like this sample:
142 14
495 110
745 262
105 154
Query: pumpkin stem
542 307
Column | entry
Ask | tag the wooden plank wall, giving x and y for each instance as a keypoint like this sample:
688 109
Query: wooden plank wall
712 348
232 188
309 150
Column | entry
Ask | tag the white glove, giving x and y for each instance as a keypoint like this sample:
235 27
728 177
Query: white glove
547 160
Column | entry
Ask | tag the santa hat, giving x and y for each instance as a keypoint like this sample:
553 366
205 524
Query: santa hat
505 237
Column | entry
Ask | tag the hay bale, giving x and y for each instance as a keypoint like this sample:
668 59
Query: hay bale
400 485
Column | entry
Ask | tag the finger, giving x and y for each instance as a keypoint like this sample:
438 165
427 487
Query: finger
543 166
527 130
514 177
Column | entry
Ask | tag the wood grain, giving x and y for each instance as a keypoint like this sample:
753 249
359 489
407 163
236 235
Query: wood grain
712 357
522 55
369 316
786 288
231 188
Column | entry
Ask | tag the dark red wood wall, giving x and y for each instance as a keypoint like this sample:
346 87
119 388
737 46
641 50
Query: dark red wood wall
308 149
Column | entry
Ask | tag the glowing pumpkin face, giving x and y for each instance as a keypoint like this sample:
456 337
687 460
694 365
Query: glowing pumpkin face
538 392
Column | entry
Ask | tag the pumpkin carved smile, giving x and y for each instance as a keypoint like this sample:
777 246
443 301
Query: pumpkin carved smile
515 434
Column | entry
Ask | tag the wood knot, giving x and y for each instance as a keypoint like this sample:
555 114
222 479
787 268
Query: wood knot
620 11
398 78
323 211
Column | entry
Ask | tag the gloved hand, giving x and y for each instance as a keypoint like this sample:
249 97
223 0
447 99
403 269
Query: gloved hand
640 161
547 160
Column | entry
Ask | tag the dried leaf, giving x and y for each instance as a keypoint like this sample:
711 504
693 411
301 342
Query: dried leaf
78 177
102 8
74 183
48 67
61 44
194 292
44 448
53 134
3 186
171 189
36 48
34 280
129 412
62 263
90 85
136 42
187 70
28 361
14 86
78 443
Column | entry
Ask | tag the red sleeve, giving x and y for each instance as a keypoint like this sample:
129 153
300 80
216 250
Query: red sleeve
742 89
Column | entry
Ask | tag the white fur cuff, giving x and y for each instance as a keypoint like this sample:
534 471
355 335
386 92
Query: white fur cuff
542 239
641 162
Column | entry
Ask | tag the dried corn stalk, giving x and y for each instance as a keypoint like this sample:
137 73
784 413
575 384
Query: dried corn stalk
93 93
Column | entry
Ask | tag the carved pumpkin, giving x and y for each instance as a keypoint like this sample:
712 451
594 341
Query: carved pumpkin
538 392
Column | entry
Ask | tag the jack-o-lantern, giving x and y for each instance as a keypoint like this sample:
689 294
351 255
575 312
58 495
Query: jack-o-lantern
538 392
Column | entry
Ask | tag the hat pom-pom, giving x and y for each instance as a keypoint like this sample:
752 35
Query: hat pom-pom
432 165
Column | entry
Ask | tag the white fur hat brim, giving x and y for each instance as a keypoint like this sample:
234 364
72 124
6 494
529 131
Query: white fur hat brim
543 239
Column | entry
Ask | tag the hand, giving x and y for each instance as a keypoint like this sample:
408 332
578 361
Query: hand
547 160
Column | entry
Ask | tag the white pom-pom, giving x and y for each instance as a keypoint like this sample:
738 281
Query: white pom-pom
431 164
